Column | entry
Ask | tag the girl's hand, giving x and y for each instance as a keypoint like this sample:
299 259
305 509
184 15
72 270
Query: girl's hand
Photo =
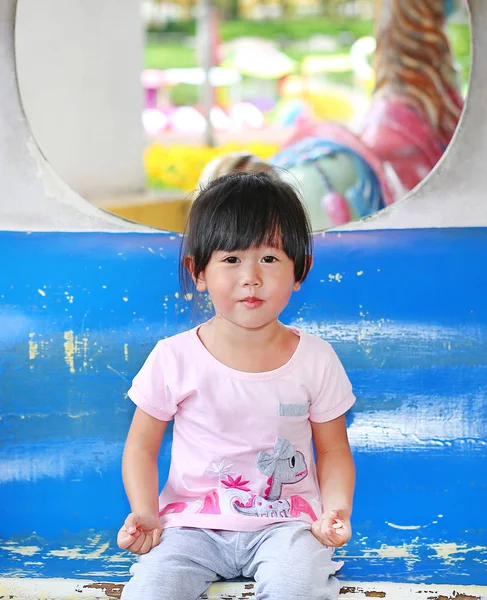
333 529
139 533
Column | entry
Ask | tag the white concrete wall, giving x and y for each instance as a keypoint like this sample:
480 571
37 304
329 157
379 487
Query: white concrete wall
78 65
32 196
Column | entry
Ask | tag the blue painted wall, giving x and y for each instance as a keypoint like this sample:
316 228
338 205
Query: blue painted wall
406 312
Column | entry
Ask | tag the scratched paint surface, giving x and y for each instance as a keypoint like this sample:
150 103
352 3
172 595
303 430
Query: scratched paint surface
406 312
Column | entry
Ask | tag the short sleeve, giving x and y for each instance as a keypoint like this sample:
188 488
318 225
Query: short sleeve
335 395
149 390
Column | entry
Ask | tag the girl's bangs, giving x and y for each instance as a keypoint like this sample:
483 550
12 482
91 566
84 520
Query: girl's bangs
239 230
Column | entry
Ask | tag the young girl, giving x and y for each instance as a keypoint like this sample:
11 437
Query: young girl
248 395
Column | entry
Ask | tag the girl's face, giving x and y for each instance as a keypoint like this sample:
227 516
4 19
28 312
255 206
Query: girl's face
249 288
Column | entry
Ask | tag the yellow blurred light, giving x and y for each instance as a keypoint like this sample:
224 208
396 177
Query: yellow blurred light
178 167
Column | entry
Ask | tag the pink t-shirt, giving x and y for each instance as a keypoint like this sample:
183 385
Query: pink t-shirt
242 445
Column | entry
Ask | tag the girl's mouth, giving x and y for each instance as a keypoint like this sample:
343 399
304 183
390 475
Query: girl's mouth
252 302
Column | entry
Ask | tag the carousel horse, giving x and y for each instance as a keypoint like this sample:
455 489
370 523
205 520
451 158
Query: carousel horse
343 175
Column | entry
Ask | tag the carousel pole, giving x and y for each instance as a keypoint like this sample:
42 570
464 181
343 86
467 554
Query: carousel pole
206 40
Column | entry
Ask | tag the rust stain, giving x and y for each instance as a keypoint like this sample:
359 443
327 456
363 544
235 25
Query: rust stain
112 590
354 590
455 597
348 590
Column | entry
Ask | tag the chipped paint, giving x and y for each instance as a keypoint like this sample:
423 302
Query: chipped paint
23 550
33 347
84 348
335 277
71 589
69 349
126 352
403 527
446 551
386 551
92 551
79 552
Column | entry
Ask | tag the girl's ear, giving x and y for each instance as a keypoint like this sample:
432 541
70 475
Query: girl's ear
199 282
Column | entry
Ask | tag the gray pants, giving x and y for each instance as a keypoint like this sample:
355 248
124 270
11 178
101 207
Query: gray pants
286 561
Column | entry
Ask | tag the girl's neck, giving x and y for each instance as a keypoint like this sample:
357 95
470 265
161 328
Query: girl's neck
249 350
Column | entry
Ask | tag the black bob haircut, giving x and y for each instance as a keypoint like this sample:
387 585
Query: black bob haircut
242 211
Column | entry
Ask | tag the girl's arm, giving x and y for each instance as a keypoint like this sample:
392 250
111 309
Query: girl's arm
139 464
141 530
336 478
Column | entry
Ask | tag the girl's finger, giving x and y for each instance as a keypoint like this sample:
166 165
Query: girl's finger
137 544
338 539
131 523
146 546
156 537
124 539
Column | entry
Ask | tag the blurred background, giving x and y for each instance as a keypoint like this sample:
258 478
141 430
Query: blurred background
279 61
130 104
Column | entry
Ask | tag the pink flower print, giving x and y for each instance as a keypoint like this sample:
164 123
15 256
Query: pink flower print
236 483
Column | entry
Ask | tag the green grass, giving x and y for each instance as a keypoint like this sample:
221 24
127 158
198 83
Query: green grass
300 28
297 28
294 29
166 56
163 55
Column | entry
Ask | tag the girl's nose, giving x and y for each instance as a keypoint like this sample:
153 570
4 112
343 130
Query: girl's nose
252 277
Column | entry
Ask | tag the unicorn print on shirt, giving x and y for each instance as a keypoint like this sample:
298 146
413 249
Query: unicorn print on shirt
285 466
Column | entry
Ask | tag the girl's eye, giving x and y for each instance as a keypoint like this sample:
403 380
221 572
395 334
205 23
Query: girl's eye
269 259
231 260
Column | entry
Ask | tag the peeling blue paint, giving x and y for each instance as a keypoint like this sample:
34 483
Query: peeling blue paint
411 330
